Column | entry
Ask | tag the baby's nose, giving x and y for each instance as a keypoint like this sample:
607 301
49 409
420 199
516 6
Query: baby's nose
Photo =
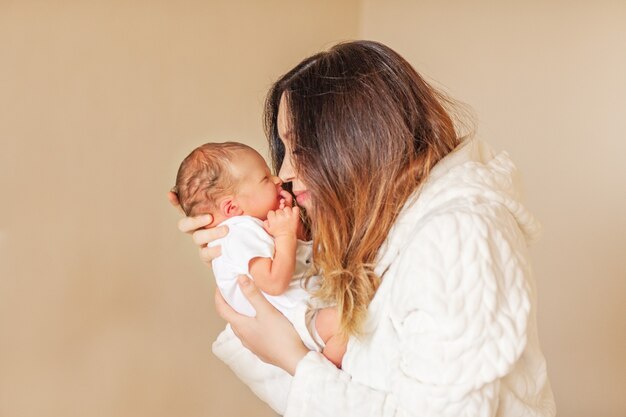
277 180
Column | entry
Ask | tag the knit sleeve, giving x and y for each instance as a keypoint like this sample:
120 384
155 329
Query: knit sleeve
460 306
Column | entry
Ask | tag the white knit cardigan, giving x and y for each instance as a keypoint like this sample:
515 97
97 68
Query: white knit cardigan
451 330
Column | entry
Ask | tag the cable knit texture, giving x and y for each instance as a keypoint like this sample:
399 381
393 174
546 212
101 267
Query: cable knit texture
451 331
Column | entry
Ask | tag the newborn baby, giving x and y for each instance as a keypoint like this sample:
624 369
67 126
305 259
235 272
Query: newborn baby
232 182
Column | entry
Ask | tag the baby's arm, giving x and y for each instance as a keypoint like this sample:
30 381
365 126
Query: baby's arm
327 326
274 276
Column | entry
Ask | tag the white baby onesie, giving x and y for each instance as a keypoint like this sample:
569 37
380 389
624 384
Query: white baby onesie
247 239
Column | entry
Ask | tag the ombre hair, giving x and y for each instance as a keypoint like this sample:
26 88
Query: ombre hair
366 129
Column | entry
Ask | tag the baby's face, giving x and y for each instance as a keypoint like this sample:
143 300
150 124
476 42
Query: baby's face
258 191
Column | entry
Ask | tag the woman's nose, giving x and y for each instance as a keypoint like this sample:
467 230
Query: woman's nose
286 173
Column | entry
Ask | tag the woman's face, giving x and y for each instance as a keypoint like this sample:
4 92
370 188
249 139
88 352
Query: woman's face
287 172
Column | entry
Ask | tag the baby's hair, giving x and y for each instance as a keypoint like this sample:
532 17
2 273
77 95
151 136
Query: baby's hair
205 176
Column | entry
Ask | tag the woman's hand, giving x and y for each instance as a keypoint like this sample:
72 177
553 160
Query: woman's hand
269 335
201 231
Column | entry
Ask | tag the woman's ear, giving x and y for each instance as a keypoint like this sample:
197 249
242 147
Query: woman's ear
230 208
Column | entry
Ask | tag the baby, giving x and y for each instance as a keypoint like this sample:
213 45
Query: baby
232 182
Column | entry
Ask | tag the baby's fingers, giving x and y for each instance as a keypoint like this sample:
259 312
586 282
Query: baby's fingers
287 196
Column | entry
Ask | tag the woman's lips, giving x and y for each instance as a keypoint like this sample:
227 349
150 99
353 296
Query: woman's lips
301 196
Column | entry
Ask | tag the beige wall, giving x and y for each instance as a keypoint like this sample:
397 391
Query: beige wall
104 307
547 82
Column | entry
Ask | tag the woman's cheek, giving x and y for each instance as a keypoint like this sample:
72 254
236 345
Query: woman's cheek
304 200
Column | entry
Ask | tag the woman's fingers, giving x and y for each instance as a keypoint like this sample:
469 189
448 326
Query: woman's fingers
207 254
197 227
190 224
223 309
269 335
254 295
202 237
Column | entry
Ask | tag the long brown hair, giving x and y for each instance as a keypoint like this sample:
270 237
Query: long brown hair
366 131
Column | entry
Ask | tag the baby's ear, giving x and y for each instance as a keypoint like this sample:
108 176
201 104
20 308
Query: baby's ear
230 208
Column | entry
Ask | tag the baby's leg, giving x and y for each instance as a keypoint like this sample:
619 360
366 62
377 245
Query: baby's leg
327 326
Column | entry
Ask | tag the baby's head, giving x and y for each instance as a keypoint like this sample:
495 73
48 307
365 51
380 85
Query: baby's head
225 180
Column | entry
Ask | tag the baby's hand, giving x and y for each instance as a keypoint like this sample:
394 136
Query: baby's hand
286 200
283 222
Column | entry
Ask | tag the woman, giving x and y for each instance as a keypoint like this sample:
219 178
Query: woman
420 240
